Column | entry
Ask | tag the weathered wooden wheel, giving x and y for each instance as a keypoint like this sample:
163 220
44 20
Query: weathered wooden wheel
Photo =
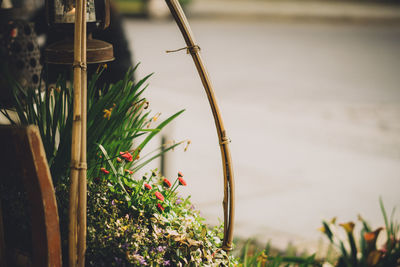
23 165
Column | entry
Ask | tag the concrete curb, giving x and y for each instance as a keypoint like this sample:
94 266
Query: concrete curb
329 11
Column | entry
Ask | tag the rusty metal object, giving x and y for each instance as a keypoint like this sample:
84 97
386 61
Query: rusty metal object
63 52
23 154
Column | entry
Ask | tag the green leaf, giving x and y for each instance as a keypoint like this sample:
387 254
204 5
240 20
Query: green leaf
327 231
113 168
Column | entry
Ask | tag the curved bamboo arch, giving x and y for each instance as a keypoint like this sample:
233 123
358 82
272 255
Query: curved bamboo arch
229 187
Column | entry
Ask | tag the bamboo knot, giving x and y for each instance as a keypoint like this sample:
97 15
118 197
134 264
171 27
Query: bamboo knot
227 247
79 64
79 166
225 140
193 49
77 118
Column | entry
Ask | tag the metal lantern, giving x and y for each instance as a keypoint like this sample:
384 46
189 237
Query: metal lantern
61 18
64 11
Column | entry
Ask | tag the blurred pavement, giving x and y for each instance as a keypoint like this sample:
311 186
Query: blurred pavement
338 11
312 110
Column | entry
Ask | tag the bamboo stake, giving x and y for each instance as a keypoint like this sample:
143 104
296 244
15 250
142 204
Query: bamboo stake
229 187
82 199
76 137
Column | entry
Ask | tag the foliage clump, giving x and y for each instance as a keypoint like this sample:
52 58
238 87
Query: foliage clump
131 221
367 252
156 227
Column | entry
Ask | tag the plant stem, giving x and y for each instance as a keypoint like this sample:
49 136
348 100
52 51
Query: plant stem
172 189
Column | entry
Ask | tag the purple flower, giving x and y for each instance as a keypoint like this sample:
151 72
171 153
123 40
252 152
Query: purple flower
178 201
139 258
161 248
167 263
113 202
142 261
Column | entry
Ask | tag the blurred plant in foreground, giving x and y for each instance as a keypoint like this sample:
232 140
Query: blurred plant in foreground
251 255
367 252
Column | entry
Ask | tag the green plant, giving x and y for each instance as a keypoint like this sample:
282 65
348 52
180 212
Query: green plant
253 255
144 221
366 253
116 117
130 221
156 227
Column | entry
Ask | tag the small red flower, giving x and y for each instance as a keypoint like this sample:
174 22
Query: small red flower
159 196
127 156
160 207
167 183
129 171
103 170
180 174
119 159
147 186
181 181
14 32
369 236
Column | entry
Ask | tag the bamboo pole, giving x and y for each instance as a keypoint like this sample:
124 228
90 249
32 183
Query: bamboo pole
76 137
82 199
229 187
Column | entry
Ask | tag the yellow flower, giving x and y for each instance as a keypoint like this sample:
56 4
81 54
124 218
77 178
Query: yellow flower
107 112
349 227
104 66
262 258
156 116
322 229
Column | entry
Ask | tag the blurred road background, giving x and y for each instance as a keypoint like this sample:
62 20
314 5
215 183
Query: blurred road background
310 95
